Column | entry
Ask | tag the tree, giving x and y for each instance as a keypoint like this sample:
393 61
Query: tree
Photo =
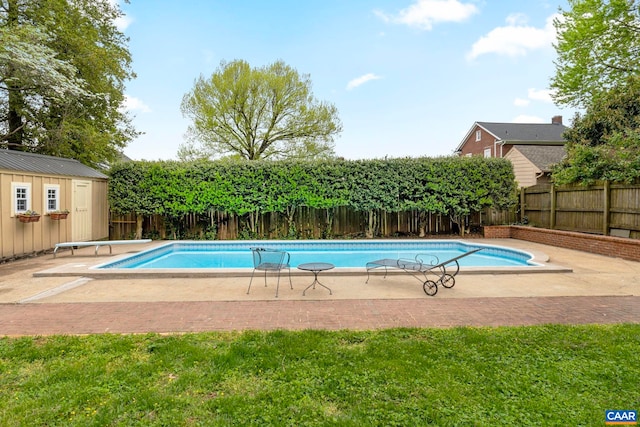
257 113
598 47
63 65
604 143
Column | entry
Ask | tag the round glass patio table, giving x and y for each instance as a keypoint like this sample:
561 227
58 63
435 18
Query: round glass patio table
316 268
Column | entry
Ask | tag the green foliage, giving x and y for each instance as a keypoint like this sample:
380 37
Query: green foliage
257 113
542 375
617 161
617 110
63 66
455 186
604 143
598 47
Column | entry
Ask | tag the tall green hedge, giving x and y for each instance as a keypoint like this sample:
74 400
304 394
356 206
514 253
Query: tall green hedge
456 186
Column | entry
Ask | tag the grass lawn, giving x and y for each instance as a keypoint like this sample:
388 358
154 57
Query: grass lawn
546 375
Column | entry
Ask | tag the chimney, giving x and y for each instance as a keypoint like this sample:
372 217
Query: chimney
556 120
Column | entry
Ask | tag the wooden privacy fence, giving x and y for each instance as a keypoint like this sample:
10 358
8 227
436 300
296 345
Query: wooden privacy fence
492 216
605 208
305 223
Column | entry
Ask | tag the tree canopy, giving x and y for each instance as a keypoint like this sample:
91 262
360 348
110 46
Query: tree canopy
598 70
63 66
604 143
257 113
598 47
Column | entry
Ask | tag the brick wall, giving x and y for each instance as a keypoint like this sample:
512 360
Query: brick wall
476 148
618 247
497 232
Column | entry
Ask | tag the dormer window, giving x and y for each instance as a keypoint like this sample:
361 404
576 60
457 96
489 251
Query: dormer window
478 135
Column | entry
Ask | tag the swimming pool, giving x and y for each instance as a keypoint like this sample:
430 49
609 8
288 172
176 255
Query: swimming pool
342 253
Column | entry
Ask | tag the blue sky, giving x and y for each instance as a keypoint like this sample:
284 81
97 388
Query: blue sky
409 77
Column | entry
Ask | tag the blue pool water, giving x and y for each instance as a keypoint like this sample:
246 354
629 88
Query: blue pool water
341 253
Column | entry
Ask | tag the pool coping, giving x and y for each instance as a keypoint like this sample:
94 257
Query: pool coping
86 268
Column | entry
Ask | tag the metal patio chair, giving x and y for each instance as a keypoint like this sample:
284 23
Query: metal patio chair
270 260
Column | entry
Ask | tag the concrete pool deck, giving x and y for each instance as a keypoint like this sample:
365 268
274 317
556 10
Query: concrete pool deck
578 288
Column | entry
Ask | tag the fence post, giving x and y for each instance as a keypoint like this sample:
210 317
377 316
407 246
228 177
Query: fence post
552 212
523 204
607 208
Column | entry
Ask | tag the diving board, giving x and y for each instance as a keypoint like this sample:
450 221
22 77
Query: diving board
97 243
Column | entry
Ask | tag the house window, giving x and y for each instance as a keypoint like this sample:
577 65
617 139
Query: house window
478 135
21 193
487 152
52 197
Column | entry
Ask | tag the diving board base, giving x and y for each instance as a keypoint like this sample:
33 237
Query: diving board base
98 244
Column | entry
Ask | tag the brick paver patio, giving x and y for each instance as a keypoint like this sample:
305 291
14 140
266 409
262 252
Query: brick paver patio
166 317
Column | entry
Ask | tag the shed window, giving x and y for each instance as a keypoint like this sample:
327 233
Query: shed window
21 193
52 197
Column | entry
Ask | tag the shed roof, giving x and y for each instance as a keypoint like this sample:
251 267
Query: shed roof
543 157
47 165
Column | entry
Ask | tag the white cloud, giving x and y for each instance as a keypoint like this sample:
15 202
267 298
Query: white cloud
423 14
134 104
123 22
523 118
543 95
362 80
383 16
515 39
516 19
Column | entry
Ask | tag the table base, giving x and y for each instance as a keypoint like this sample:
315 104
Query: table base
316 282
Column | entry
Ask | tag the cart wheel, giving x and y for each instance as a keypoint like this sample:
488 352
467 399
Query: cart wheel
430 287
448 281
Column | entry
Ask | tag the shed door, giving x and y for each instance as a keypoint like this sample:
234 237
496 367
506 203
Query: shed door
81 212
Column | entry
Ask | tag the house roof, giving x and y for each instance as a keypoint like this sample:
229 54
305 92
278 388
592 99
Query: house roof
525 132
543 157
521 133
48 165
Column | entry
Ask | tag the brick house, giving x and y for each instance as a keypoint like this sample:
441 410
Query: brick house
532 147
496 139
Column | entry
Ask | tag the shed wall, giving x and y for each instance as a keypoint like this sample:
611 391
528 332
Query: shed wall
100 219
18 239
